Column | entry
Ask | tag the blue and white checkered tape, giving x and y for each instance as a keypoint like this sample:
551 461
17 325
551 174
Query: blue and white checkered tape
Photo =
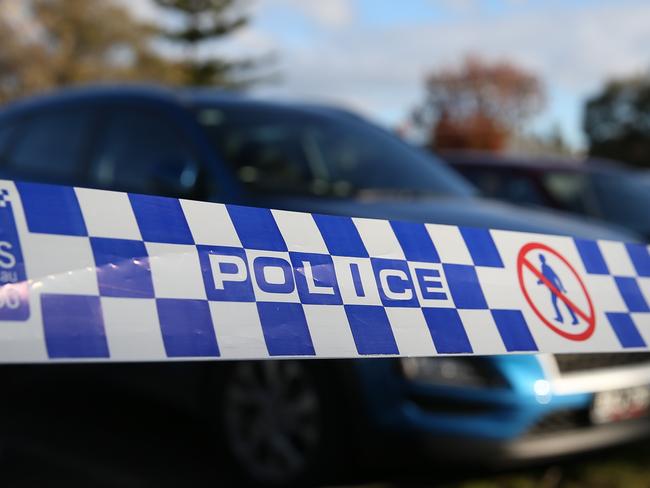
97 275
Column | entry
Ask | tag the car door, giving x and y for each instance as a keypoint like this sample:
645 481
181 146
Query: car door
47 144
141 149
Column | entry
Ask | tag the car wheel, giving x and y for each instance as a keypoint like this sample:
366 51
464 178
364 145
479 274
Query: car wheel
277 423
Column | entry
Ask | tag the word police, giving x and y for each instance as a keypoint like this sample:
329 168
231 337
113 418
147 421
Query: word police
232 274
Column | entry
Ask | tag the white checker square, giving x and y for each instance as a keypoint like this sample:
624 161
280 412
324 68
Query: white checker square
357 287
378 238
330 331
108 214
411 332
210 224
238 330
23 342
60 264
482 332
642 322
272 275
500 288
428 284
644 286
617 259
132 329
175 271
605 295
450 244
300 232
22 345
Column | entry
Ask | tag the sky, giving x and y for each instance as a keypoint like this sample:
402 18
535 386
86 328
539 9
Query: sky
372 55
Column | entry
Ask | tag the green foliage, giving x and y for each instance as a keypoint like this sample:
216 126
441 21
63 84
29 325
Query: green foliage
202 22
21 65
46 44
77 41
626 467
617 121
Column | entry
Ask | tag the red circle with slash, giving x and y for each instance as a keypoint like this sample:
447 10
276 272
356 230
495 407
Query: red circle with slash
589 317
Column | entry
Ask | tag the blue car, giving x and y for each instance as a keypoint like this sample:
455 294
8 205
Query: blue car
593 188
287 422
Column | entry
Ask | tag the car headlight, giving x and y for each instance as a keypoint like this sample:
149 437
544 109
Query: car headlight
450 371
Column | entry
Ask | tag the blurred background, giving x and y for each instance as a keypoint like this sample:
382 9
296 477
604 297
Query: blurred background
515 114
551 78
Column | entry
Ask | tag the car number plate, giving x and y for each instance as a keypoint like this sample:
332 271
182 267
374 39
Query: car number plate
615 405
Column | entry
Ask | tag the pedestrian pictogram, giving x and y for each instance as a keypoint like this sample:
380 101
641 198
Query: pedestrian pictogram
560 299
552 277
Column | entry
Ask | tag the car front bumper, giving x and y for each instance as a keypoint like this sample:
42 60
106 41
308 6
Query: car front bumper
474 453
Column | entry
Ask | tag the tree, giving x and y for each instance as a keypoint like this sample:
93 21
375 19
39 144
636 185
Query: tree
21 64
99 40
83 41
205 21
547 143
617 121
78 41
477 105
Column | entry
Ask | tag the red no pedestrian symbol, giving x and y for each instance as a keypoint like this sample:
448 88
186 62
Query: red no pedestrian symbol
558 308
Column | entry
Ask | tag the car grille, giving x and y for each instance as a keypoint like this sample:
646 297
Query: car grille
570 363
560 421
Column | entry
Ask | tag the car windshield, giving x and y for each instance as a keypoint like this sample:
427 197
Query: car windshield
624 197
333 154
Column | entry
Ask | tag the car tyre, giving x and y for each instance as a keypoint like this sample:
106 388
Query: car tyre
281 423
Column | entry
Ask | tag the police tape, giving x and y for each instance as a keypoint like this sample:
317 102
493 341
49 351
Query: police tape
98 275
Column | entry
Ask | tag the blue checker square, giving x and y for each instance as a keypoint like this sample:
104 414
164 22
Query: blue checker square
415 242
341 236
394 282
464 286
161 219
631 293
481 247
447 330
514 330
625 330
122 268
315 279
73 326
430 282
225 274
256 228
591 256
52 209
285 329
261 264
640 257
187 328
371 329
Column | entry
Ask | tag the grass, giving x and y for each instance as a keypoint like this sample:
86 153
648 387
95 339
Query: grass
627 467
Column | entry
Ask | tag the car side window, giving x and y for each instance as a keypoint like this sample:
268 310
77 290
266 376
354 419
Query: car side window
8 127
571 190
49 145
513 187
142 150
268 151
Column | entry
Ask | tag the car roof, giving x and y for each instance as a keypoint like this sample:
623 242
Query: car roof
182 96
535 163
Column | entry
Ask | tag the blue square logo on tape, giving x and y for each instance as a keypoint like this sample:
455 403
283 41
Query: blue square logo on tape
14 289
